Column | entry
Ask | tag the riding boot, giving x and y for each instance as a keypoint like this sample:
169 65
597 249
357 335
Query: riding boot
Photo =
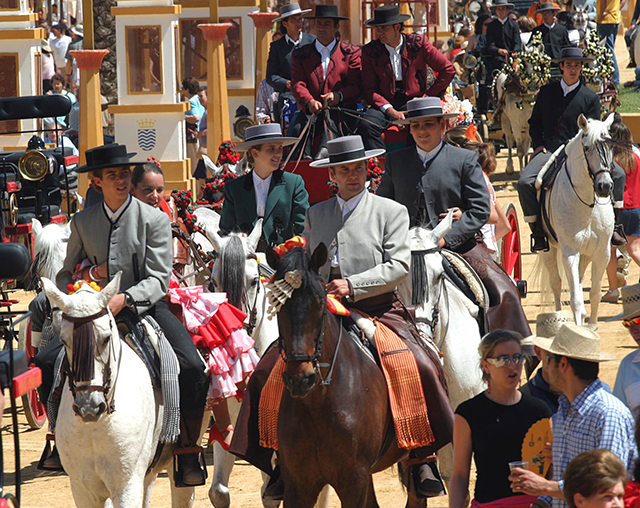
427 480
619 237
275 488
191 470
539 239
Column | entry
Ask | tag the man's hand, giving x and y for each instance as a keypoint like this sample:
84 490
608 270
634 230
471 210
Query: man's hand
117 303
394 114
524 481
331 98
288 85
339 288
315 106
503 52
442 243
540 149
457 213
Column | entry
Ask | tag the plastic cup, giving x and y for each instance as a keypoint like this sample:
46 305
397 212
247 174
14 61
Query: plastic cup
518 463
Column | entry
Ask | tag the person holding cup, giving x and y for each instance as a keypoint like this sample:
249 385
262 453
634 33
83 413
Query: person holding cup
492 427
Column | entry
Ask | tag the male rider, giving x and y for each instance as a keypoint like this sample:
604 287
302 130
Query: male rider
126 235
554 36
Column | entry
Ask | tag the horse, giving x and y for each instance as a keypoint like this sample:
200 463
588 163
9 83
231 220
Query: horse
335 417
235 272
109 421
580 216
444 313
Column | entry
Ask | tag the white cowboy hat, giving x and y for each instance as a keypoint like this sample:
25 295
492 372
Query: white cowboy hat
263 133
345 150
573 341
630 302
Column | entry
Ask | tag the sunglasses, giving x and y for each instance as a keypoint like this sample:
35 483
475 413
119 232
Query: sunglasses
505 360
634 321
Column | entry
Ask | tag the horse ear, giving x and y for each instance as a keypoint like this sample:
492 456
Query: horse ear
215 239
444 227
110 290
608 121
582 122
254 237
36 226
319 257
273 258
55 296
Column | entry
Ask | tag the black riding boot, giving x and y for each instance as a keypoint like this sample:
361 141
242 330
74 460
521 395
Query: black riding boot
539 239
619 237
191 470
275 488
427 480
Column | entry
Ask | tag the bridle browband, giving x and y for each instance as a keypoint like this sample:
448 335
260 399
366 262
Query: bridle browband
85 319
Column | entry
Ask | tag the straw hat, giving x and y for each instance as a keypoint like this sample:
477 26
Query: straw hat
45 45
574 341
345 150
630 302
549 323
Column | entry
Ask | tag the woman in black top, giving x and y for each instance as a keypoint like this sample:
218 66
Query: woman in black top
492 426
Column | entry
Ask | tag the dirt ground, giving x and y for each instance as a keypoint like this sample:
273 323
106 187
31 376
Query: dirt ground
44 489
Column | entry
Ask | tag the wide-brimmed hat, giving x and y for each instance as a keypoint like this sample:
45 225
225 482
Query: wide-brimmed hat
575 341
107 156
345 150
502 3
292 9
78 30
630 302
574 54
548 7
45 45
387 15
549 323
424 107
263 133
329 11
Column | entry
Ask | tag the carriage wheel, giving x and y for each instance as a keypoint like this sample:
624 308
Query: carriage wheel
34 410
511 253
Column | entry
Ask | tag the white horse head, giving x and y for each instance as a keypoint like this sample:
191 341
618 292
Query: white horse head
50 248
598 152
92 345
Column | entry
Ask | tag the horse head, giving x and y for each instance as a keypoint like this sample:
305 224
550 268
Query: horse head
49 248
235 270
301 318
598 153
92 345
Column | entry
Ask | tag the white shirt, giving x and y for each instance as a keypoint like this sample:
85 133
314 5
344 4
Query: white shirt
347 207
549 26
113 216
325 54
289 39
427 156
566 89
396 61
261 188
503 21
59 47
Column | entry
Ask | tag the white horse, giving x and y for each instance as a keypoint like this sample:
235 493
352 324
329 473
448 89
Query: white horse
50 247
107 453
446 315
581 215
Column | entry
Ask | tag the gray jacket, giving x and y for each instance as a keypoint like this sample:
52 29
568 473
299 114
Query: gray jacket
453 178
372 243
138 244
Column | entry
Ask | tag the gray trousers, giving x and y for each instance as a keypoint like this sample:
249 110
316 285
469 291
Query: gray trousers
527 186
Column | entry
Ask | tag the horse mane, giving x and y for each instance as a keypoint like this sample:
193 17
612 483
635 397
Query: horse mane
233 258
597 132
298 259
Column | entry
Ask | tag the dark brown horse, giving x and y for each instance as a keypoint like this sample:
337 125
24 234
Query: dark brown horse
335 424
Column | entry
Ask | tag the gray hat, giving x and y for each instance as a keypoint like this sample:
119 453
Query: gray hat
292 9
78 30
502 3
424 107
263 133
345 150
547 7
573 54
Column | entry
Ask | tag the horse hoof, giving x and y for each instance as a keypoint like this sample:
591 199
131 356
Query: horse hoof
219 496
510 170
266 503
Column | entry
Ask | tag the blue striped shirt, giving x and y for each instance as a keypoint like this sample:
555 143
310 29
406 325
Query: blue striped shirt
595 419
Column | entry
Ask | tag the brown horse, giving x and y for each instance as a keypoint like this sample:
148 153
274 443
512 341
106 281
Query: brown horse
335 424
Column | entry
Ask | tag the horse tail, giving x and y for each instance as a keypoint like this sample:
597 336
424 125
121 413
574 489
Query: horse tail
419 279
232 274
536 279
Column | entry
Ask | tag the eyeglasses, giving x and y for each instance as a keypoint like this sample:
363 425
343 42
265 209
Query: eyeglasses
634 321
506 360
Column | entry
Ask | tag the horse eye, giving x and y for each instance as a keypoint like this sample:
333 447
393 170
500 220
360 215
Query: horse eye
255 281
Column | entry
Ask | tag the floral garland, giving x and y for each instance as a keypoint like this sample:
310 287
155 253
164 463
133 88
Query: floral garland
374 175
603 65
227 154
183 199
214 186
72 288
539 63
451 104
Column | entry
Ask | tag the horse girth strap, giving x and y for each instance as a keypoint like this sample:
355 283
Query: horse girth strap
86 319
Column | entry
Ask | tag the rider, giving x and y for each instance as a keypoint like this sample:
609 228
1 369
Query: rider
554 36
124 234
553 123
394 72
434 177
279 61
267 192
503 35
325 73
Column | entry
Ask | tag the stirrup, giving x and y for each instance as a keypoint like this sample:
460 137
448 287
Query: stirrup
535 246
46 455
178 472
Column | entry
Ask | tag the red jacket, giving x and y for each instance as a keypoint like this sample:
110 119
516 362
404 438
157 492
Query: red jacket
417 54
343 74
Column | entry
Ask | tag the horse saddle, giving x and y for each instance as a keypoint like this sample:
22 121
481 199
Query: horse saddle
464 277
136 334
550 175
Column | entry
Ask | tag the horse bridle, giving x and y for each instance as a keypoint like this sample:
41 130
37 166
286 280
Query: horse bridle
435 315
593 175
253 311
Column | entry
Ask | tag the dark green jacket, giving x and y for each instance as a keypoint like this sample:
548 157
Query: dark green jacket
287 204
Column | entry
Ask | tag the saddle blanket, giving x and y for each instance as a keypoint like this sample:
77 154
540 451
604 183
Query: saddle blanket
400 369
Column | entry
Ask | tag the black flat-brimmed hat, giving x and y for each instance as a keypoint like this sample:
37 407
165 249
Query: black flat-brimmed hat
326 12
106 156
574 54
387 15
263 133
548 7
292 9
502 3
424 107
346 150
